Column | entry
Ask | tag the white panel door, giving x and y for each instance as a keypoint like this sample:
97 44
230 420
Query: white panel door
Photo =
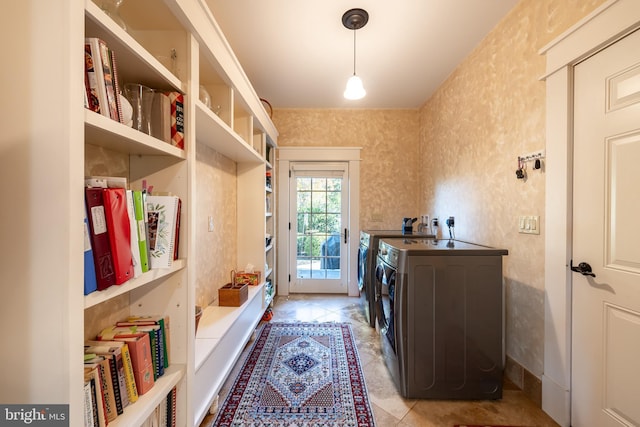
605 384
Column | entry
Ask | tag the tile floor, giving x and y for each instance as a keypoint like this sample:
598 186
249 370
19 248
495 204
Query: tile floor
389 408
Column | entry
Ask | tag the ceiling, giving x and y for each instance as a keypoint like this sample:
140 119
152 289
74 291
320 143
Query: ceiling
297 53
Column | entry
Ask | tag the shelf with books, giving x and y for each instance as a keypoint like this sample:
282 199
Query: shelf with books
136 62
136 413
155 50
152 30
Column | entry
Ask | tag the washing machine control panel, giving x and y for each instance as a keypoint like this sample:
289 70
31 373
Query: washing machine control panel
388 253
364 238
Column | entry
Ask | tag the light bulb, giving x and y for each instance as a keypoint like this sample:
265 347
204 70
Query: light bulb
354 89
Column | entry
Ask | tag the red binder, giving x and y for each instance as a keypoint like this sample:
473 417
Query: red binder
119 230
105 274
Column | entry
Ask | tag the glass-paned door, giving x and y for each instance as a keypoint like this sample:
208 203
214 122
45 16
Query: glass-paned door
318 227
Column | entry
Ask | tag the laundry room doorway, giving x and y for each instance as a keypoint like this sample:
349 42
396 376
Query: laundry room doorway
319 205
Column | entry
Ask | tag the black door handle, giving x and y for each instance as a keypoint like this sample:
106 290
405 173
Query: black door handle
582 268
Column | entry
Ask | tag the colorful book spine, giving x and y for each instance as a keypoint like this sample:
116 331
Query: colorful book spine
88 404
172 398
176 240
153 339
139 347
103 261
114 349
96 80
102 368
90 283
119 232
91 80
129 376
162 217
141 229
177 118
113 371
97 402
134 247
116 83
107 71
158 348
88 101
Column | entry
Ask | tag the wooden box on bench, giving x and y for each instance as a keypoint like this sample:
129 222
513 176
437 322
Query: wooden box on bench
233 295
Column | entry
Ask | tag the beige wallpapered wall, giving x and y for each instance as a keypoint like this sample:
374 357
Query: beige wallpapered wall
389 142
216 193
457 155
487 113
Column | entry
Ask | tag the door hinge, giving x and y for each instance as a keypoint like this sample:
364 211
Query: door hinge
346 234
289 174
289 278
289 226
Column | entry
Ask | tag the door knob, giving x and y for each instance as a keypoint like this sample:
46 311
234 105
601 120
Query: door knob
582 268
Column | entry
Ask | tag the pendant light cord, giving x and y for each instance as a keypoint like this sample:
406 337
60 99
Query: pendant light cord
354 51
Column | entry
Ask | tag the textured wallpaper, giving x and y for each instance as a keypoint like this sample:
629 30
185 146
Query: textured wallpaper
216 195
389 142
489 111
457 156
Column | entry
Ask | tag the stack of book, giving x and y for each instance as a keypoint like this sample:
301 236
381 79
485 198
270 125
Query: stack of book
128 232
102 86
103 95
123 363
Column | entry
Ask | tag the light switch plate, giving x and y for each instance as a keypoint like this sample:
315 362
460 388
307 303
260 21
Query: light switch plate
210 223
529 224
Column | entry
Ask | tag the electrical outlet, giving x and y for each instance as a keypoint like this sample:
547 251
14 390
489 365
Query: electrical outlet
529 224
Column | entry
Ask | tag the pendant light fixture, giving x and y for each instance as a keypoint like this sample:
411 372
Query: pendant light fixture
354 19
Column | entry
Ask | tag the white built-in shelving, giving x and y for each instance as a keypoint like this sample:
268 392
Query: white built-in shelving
59 143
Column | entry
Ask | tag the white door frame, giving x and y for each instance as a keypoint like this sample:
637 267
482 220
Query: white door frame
319 170
610 22
287 155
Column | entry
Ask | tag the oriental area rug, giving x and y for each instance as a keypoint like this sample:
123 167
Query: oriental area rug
299 375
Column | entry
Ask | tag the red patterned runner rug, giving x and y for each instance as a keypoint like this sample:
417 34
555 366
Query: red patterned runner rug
299 374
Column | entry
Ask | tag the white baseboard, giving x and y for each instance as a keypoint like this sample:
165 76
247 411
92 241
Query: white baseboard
556 401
